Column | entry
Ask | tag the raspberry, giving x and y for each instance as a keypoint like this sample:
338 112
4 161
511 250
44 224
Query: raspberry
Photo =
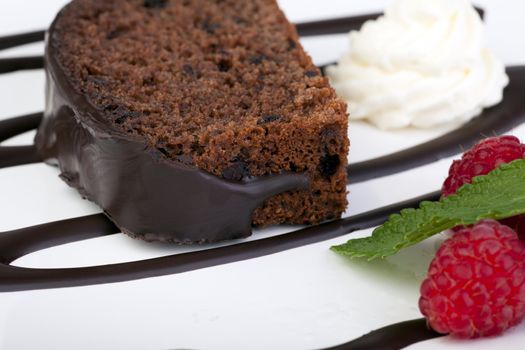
481 159
476 283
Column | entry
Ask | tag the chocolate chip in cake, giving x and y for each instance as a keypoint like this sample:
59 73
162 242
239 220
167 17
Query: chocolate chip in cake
210 27
265 119
184 109
185 159
188 70
224 65
115 33
197 148
244 154
151 4
257 59
164 151
329 165
311 73
96 80
237 171
148 81
329 136
120 113
291 44
240 20
169 150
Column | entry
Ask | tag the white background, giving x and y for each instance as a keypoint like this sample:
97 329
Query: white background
302 299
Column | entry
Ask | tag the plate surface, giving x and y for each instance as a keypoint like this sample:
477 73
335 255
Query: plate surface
305 298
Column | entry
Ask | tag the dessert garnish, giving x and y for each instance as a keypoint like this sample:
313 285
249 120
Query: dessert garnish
498 195
476 283
422 64
484 157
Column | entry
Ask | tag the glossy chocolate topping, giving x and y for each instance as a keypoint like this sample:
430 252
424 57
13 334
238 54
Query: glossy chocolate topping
145 193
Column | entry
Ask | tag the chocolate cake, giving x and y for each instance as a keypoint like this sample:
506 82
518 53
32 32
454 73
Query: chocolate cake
188 121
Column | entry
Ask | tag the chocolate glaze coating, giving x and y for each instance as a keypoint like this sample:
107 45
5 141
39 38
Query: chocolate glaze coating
147 195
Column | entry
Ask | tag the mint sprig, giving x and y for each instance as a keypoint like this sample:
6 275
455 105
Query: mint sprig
497 195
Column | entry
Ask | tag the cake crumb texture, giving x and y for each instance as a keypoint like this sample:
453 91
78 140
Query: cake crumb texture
223 85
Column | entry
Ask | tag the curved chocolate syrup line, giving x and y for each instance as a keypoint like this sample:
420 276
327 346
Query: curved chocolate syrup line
342 25
15 244
10 41
334 25
18 155
392 337
18 125
8 65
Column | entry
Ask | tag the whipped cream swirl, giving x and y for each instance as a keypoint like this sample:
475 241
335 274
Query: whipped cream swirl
422 64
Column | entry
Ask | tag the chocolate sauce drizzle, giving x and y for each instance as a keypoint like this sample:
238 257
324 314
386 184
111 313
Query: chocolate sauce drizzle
10 41
18 155
18 243
395 336
8 65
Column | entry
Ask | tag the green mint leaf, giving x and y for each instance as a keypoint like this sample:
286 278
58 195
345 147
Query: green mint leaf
497 195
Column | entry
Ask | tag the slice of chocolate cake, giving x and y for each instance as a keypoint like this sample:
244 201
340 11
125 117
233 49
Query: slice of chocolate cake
187 120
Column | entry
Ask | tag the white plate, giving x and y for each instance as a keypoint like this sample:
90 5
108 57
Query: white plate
305 298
